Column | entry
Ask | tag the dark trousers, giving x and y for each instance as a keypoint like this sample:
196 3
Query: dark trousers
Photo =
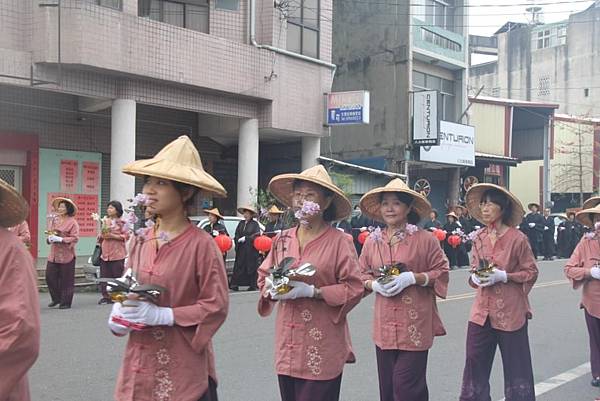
462 256
60 278
549 247
294 389
402 375
516 362
110 269
211 392
451 254
593 326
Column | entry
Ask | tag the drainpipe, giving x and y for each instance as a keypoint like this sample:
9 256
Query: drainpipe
288 53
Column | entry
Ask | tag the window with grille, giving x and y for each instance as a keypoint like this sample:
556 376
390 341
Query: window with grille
549 37
438 13
303 27
446 88
115 4
12 175
191 14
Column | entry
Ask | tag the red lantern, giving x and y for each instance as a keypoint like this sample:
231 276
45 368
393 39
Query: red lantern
362 237
223 242
440 234
454 241
263 243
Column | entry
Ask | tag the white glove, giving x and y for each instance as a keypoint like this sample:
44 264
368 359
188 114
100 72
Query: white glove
241 240
546 228
268 288
341 229
399 283
147 313
479 282
116 328
561 228
277 232
55 238
496 276
531 225
378 288
363 229
595 272
477 227
299 290
215 233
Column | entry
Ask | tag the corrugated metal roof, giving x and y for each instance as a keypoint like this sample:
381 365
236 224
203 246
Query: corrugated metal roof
363 169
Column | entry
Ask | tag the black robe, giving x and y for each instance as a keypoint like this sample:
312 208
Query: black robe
358 222
463 249
549 245
450 251
271 227
344 225
218 227
246 256
431 224
535 233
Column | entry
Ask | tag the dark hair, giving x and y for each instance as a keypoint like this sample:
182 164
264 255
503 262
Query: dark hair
117 205
435 213
182 188
69 206
330 213
501 199
413 217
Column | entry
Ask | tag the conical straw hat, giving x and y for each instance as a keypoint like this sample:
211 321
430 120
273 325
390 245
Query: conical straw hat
214 212
13 207
592 202
58 200
178 161
248 208
473 201
282 187
452 214
275 210
585 216
370 202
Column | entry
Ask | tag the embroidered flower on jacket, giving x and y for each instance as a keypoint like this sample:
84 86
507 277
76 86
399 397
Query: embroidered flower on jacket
315 334
162 356
306 315
158 334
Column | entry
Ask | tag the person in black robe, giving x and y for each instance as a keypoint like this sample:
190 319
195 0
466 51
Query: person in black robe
215 225
360 223
433 221
534 228
343 225
566 234
246 256
578 230
462 252
549 245
449 250
275 224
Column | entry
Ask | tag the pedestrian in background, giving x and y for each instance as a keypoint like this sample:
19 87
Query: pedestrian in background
246 256
275 224
406 318
215 226
462 253
583 269
19 303
451 251
501 308
312 340
433 221
549 230
60 268
534 228
112 239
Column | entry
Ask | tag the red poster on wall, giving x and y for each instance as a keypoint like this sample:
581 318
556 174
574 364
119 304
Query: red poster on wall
91 177
68 175
86 205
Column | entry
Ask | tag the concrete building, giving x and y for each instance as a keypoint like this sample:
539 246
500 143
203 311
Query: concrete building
393 50
88 85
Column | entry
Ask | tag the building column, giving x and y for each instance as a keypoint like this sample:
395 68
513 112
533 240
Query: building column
311 150
130 7
122 148
247 162
546 191
453 186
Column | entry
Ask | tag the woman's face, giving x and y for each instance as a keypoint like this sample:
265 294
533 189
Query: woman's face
393 211
111 211
307 191
248 215
62 209
163 197
432 216
212 218
490 212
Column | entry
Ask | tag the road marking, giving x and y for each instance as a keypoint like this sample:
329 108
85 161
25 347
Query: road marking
473 294
560 379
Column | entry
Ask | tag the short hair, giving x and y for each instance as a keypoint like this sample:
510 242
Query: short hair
501 199
413 217
69 206
117 205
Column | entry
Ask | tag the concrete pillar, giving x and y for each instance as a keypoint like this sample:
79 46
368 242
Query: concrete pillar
247 161
311 150
122 148
130 7
546 191
453 186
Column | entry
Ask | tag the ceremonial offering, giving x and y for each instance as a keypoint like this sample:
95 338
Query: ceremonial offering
282 273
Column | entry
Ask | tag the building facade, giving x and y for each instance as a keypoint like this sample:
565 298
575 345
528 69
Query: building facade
89 85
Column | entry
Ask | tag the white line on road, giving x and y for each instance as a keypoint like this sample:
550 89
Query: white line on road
560 379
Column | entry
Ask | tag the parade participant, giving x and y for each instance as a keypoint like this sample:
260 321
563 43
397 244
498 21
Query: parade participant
172 359
275 224
21 230
360 223
406 317
246 256
312 340
433 221
60 268
533 227
19 303
462 253
214 226
583 269
112 238
564 238
501 309
549 245
450 227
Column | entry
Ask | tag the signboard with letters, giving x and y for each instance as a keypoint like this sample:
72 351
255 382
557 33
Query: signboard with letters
425 118
345 108
457 146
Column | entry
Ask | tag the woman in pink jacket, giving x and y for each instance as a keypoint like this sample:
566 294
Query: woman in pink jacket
406 316
312 341
583 269
503 272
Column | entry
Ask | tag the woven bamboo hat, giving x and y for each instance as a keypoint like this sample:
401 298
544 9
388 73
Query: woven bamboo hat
530 205
248 208
452 214
58 200
282 187
214 212
464 209
178 161
585 216
370 202
592 202
13 207
473 199
275 210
